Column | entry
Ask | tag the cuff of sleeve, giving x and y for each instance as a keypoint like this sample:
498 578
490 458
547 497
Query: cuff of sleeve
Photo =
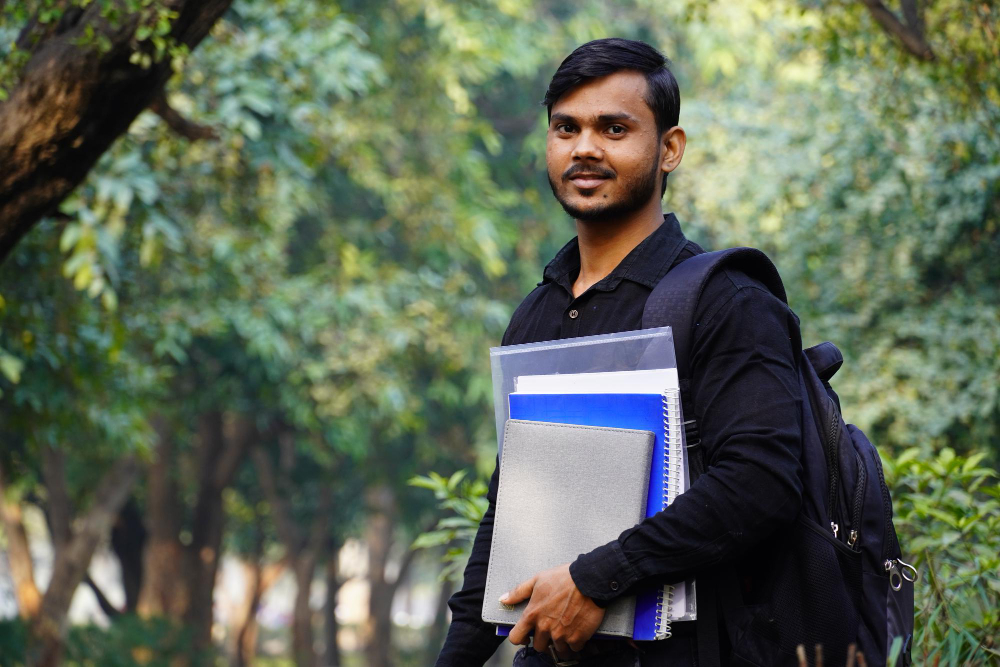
603 574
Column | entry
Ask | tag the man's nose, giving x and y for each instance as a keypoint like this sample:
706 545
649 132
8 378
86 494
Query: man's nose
587 147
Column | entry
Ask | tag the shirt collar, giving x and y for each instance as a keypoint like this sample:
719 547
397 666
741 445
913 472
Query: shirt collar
646 264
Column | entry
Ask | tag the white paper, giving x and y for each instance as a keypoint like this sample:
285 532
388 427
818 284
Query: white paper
617 382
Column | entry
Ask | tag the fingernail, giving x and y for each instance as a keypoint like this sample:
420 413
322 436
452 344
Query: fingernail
503 598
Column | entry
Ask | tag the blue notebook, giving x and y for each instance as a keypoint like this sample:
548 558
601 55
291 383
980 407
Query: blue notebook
659 413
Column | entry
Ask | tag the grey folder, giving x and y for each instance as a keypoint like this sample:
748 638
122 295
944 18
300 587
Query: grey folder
564 490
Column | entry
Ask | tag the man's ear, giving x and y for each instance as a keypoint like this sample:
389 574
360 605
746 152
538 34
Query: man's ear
672 145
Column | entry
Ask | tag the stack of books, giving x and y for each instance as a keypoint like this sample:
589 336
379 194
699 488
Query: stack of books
586 456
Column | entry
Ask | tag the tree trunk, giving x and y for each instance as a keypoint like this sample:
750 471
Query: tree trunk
440 627
378 535
304 553
302 632
22 570
128 539
222 444
259 581
59 509
331 658
57 121
164 590
72 561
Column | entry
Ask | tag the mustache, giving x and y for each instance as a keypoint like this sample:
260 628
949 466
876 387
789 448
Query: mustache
578 168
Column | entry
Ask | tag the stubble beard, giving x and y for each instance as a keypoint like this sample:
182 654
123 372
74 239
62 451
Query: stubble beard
637 195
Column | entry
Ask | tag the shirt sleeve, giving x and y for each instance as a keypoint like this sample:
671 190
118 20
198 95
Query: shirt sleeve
747 400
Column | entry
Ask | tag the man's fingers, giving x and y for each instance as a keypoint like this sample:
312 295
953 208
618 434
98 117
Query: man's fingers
519 633
577 646
564 650
520 593
541 641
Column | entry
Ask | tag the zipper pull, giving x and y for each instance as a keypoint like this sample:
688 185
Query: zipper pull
835 528
908 572
895 578
852 538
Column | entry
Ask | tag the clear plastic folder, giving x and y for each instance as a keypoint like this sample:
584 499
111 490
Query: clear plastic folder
620 380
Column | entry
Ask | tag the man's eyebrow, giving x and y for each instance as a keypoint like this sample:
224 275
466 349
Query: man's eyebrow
603 119
616 117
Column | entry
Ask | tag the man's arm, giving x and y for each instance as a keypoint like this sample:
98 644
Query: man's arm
746 392
470 640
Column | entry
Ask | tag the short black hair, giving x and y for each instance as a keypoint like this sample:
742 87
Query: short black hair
602 57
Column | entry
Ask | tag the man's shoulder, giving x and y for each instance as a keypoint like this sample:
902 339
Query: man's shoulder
735 288
527 304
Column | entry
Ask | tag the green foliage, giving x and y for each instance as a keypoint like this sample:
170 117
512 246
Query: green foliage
464 502
340 258
947 515
128 641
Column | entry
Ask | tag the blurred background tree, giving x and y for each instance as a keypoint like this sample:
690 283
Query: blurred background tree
268 304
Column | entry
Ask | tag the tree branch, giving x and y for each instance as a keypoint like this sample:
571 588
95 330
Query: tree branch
178 123
109 609
71 562
911 36
22 568
57 121
913 16
59 508
283 522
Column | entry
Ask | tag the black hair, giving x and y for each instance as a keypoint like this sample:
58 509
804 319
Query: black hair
602 57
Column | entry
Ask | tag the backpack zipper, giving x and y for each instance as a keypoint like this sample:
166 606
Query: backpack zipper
859 500
889 535
834 469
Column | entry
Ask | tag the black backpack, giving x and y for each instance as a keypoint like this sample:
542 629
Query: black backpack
837 577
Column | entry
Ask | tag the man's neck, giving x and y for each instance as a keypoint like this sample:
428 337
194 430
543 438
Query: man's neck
603 245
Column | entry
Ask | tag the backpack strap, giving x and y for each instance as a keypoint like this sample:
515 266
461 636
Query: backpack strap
674 300
673 303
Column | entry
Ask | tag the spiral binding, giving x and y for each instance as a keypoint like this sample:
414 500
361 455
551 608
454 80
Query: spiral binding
672 472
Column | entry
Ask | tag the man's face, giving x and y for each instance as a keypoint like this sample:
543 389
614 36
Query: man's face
603 150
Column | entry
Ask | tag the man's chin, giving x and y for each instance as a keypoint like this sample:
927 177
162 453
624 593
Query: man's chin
592 211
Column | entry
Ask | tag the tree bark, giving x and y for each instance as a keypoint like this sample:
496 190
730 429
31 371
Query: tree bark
331 657
304 553
128 539
103 602
221 448
440 627
259 581
72 561
163 588
910 34
379 538
59 508
22 570
73 100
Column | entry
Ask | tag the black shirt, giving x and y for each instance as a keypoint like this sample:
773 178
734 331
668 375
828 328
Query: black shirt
746 397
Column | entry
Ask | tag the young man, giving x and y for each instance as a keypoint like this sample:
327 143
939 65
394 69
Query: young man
612 139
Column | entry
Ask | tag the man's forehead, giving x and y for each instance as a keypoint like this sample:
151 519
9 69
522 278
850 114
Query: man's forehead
621 93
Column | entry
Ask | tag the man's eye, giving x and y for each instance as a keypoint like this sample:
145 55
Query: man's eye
616 129
563 127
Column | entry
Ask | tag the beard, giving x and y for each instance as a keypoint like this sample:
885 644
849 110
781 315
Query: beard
637 193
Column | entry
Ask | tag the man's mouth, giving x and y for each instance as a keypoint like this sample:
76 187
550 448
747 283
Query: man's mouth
587 181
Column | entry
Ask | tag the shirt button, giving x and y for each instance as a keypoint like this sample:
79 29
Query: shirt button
573 314
614 585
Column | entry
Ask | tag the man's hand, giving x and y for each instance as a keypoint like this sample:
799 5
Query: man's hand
557 611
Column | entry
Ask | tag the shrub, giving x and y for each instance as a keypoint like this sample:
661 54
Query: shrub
947 514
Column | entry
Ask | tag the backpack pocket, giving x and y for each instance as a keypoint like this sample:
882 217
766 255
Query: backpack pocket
815 591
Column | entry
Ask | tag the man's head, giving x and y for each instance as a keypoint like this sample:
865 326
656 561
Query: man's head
613 107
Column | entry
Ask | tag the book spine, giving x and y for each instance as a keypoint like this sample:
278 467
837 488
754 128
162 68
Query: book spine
672 471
